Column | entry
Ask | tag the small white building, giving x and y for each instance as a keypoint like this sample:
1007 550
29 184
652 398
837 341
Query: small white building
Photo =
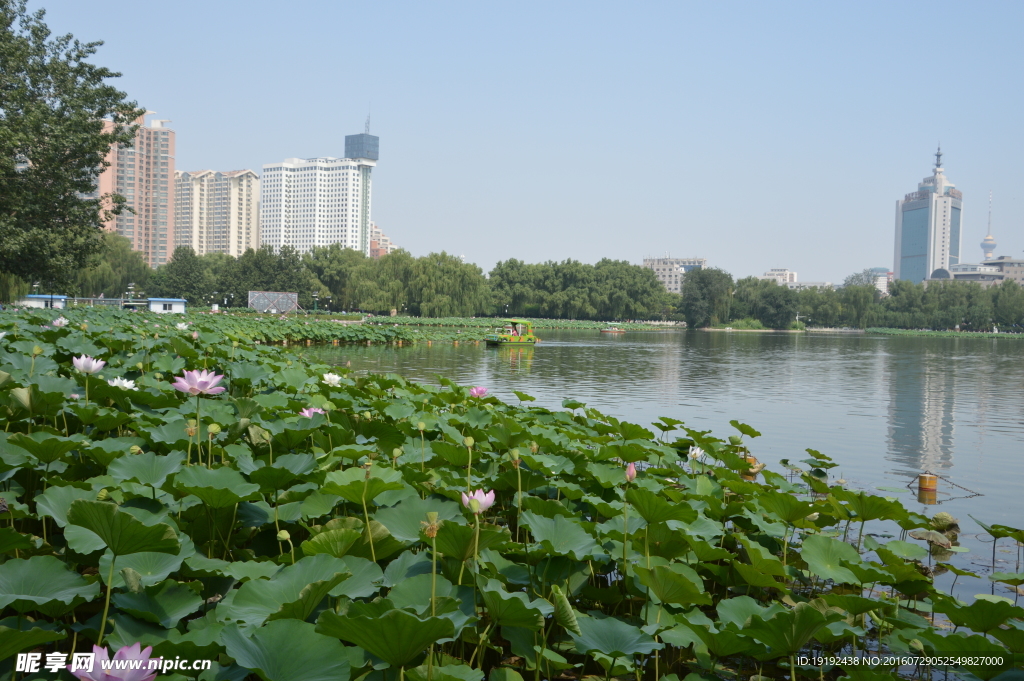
43 300
172 305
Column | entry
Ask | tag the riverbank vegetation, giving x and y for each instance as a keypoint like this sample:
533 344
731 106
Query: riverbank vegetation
227 501
711 298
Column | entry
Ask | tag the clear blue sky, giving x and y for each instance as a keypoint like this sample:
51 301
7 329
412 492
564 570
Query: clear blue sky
754 134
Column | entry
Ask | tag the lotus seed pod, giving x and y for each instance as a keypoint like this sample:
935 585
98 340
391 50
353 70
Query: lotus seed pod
396 452
84 327
135 449
514 453
468 441
735 439
139 366
431 517
36 350
534 447
284 536
158 376
234 344
367 415
330 406
213 428
421 426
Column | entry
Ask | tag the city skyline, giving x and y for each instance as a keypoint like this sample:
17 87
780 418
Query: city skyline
738 136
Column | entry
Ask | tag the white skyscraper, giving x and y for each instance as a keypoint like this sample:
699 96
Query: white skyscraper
320 201
928 228
217 212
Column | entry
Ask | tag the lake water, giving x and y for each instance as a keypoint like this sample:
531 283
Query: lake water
886 408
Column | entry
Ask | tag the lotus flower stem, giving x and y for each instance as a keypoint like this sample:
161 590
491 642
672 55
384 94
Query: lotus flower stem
423 460
469 466
106 603
483 639
366 517
227 544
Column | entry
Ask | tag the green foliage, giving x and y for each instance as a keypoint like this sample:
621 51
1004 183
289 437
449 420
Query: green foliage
253 542
53 143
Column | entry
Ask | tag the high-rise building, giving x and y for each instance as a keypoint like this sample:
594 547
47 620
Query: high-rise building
670 271
320 201
380 244
780 275
217 212
144 174
928 228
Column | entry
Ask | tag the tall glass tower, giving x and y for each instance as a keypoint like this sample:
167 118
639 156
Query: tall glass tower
928 228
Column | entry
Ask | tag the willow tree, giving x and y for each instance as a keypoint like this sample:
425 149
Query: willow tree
56 111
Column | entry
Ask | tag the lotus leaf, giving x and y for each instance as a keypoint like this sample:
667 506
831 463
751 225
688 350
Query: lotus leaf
825 557
396 636
165 603
27 585
354 485
288 650
561 536
120 531
514 609
785 633
676 584
292 593
217 487
18 634
146 468
612 637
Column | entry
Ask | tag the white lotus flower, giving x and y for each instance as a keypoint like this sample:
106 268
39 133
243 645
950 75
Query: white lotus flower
2 334
60 321
696 452
123 383
333 380
182 326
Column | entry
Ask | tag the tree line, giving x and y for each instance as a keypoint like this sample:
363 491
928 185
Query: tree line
711 297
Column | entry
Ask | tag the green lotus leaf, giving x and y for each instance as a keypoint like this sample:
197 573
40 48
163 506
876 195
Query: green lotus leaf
12 541
930 536
384 545
165 604
18 634
292 593
106 451
413 593
56 502
459 672
825 557
353 485
332 542
785 506
612 637
561 536
120 531
217 487
755 577
1011 578
676 584
995 662
288 650
458 541
409 564
397 636
739 610
146 468
45 446
404 520
655 509
787 632
364 582
981 616
907 550
152 567
286 468
868 506
513 609
27 584
241 571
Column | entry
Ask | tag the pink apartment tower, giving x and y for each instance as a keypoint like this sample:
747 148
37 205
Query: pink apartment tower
144 174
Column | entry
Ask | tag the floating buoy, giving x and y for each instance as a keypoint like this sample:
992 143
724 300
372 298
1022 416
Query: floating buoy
429 343
309 342
927 488
455 342
335 341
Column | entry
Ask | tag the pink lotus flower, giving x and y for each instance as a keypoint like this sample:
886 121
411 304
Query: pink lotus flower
478 391
195 335
630 472
87 365
199 383
308 412
132 652
60 321
478 501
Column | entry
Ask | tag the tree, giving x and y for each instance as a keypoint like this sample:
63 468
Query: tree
183 277
58 120
706 297
113 269
862 278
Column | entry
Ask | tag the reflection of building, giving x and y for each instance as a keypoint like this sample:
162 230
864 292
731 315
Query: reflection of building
928 228
670 271
217 212
780 276
320 201
144 174
922 402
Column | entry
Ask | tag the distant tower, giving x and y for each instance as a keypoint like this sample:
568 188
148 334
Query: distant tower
928 228
988 244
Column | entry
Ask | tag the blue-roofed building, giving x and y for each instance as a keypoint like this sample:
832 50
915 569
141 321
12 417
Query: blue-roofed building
43 300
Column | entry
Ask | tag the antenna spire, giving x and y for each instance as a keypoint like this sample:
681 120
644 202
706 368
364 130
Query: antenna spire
938 156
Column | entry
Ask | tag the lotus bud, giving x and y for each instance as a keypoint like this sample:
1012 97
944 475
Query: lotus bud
213 428
158 376
284 536
139 366
102 495
135 449
396 452
814 516
84 327
330 406
367 415
630 472
468 441
534 447
735 440
420 426
36 350
234 344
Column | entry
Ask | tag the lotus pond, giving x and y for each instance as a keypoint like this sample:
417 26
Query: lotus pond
193 491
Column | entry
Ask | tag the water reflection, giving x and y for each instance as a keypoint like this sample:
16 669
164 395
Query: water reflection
922 399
